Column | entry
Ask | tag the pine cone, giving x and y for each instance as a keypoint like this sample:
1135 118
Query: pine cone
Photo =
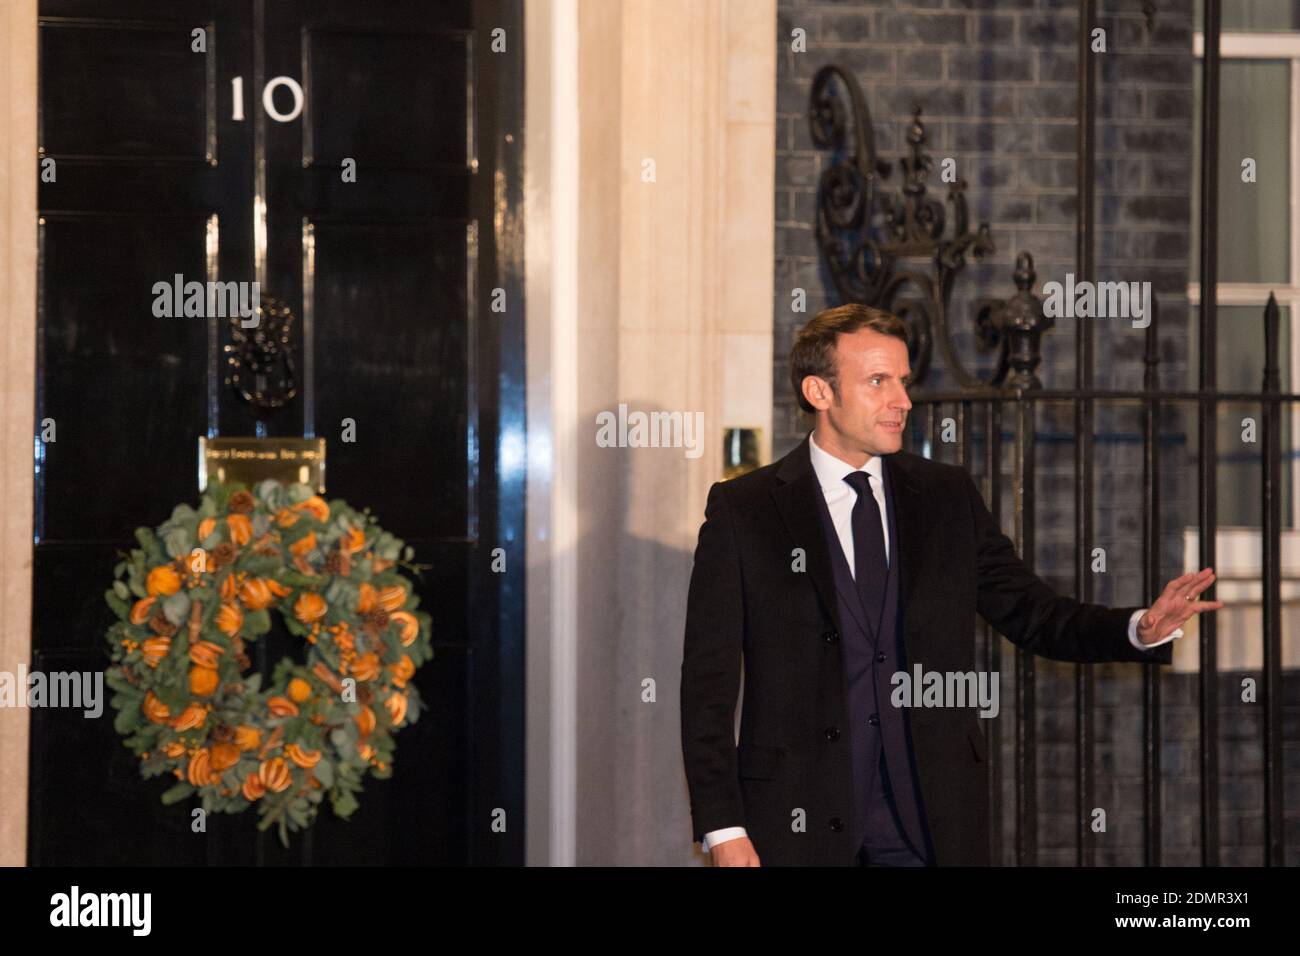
161 626
221 555
241 503
377 619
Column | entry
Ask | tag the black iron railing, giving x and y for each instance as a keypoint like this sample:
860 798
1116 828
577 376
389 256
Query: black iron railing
867 264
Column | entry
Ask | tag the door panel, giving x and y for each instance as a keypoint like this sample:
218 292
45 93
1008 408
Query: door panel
109 369
390 299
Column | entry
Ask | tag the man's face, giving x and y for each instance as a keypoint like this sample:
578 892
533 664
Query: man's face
871 404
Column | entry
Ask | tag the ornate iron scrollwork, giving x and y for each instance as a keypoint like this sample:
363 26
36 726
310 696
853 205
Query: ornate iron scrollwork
1015 326
867 239
261 358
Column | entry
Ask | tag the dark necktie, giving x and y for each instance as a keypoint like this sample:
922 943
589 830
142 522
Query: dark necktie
869 565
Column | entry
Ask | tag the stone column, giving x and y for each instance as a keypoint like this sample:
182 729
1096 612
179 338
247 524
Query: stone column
18 172
671 312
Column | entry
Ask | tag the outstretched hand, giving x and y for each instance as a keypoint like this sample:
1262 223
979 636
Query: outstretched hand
1176 606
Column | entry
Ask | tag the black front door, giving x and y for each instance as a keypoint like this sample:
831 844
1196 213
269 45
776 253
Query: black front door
376 193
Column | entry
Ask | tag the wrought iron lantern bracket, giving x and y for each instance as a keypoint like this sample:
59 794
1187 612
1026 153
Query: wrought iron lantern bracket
873 245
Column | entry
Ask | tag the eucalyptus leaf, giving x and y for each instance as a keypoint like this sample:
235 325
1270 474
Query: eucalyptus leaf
257 622
119 606
337 592
176 607
177 542
177 793
388 547
325 773
345 804
273 493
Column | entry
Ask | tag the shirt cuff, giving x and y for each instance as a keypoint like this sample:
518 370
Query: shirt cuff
1133 632
714 837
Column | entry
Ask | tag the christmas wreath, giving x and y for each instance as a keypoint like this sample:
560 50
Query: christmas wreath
194 595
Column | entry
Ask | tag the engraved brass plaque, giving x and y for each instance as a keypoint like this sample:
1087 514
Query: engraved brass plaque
251 460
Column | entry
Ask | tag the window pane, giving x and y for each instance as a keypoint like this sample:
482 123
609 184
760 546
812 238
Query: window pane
1254 117
1240 353
1240 348
1252 15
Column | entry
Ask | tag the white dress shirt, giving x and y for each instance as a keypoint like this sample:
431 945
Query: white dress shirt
840 499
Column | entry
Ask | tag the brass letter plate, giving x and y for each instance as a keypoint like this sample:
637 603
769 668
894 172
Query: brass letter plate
251 460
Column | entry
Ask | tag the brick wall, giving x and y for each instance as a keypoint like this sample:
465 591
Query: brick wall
996 82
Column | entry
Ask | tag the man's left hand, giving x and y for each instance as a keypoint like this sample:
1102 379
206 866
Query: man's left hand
1176 606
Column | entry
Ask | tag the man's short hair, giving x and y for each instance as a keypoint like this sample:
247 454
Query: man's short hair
813 352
